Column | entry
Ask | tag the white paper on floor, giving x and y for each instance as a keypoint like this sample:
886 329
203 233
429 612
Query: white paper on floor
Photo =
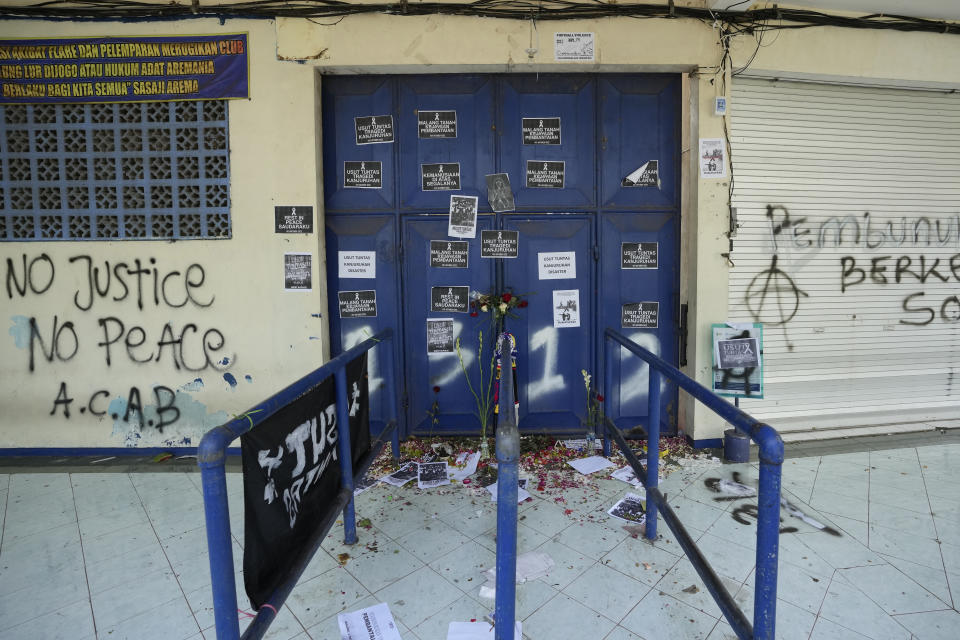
402 476
372 623
522 493
580 444
530 566
732 488
630 509
626 474
586 466
470 462
478 631
432 474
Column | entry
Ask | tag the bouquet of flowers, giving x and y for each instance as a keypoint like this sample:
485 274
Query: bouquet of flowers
499 304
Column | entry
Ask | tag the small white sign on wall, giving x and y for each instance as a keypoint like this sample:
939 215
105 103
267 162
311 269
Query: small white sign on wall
357 264
557 265
566 308
573 47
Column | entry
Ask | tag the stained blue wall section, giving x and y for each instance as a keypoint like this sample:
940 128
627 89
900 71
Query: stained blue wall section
610 125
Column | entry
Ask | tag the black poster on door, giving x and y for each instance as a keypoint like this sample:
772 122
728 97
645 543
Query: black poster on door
449 299
499 244
437 124
543 174
357 304
362 174
291 476
373 129
541 130
639 315
449 254
440 177
638 255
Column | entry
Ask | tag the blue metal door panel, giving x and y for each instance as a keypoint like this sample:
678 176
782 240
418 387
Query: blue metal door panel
455 406
639 122
619 286
572 98
365 233
552 395
345 99
471 96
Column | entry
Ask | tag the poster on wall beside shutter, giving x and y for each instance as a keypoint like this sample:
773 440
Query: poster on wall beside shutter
738 359
573 47
713 158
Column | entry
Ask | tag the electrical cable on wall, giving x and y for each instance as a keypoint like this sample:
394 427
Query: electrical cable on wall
750 21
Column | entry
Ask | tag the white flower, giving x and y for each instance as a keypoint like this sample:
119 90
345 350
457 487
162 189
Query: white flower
586 379
484 308
503 307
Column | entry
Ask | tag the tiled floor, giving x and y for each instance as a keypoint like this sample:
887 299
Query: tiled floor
123 555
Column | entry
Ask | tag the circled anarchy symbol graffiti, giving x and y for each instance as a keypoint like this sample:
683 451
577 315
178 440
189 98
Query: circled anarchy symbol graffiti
774 283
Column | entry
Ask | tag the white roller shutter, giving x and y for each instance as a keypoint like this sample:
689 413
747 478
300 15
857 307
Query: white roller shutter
835 186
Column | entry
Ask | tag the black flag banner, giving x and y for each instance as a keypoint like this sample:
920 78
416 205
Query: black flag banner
291 476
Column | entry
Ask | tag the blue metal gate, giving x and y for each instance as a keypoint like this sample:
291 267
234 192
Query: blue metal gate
616 211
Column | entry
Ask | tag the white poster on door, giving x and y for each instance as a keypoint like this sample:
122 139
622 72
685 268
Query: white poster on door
566 308
557 265
357 264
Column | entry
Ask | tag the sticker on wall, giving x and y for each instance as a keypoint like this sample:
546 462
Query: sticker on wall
556 265
363 174
638 255
573 47
639 315
440 177
358 304
297 271
357 264
647 175
293 219
544 174
373 129
737 353
566 308
541 130
449 299
439 336
437 124
463 217
447 254
499 193
499 244
713 158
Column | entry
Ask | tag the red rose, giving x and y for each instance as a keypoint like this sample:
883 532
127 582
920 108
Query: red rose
507 297
599 398
436 389
474 314
523 303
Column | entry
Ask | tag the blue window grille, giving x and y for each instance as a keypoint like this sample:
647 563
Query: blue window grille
124 171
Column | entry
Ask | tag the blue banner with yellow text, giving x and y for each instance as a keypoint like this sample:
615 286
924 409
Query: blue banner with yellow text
123 69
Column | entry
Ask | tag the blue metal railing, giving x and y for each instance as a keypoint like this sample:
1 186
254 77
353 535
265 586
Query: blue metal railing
212 455
768 518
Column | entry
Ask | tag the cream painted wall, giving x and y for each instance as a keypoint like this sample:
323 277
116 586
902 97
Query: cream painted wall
270 336
274 161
